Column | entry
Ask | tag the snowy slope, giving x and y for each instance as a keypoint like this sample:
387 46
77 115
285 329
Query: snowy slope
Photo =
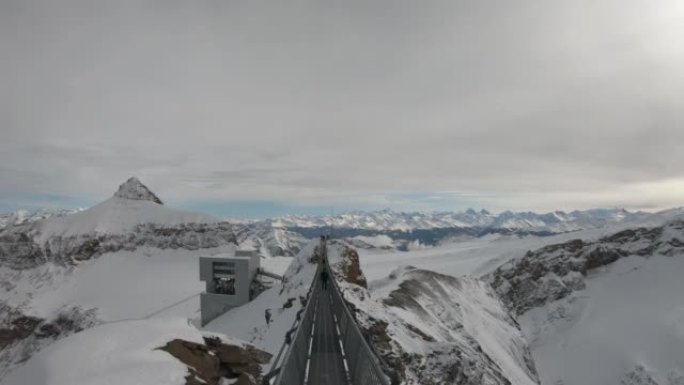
122 353
129 290
269 241
130 266
629 316
605 311
132 218
401 231
387 220
125 351
433 328
480 255
121 285
116 216
472 256
166 351
21 217
147 283
129 257
619 317
133 204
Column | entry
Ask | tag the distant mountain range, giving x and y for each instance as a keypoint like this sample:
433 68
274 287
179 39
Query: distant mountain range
130 258
21 217
284 236
389 229
388 220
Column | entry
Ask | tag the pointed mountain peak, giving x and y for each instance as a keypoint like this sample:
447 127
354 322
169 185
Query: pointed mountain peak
133 189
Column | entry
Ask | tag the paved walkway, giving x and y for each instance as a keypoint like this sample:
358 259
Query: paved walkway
327 363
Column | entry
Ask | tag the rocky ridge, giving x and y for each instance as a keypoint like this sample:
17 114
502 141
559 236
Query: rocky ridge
214 361
389 220
48 252
133 189
554 272
19 250
22 217
28 246
431 328
269 241
22 335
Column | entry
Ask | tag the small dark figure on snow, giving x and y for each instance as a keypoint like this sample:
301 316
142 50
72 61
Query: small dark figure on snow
324 279
267 314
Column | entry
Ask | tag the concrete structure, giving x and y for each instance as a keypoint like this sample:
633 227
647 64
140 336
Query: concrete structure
228 281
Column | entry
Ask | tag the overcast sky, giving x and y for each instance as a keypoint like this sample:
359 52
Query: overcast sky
256 108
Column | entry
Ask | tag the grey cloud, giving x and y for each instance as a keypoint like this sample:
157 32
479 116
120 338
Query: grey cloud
356 101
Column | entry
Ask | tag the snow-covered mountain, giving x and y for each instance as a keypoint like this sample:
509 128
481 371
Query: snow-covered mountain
132 218
165 351
402 231
388 220
598 306
432 328
388 229
607 310
269 241
21 217
126 258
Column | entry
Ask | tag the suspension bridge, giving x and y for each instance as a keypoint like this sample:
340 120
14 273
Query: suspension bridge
325 345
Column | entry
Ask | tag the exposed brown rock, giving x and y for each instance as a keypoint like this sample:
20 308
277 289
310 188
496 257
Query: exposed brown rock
349 269
246 379
422 334
378 336
600 256
209 362
134 189
18 329
288 304
196 356
556 271
352 268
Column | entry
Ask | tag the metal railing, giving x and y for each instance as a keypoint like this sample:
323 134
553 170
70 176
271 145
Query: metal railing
294 352
364 366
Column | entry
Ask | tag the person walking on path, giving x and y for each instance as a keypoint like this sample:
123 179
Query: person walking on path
324 279
267 314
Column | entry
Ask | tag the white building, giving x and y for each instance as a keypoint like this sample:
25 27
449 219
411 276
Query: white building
228 280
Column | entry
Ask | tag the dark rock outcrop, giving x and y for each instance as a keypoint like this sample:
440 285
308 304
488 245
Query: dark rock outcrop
133 189
348 268
19 250
424 330
554 272
22 335
214 360
456 356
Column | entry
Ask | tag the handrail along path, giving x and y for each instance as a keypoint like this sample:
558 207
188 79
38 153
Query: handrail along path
325 344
